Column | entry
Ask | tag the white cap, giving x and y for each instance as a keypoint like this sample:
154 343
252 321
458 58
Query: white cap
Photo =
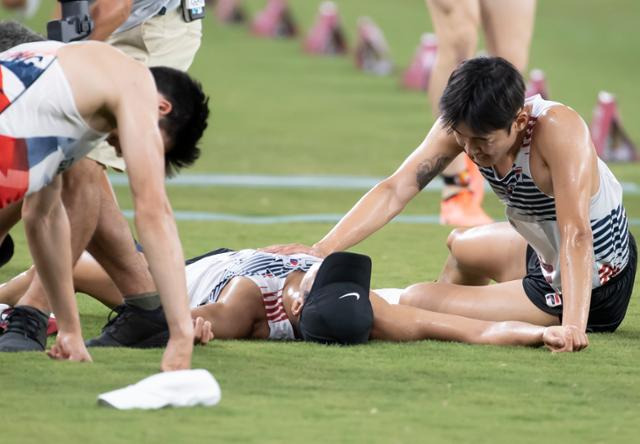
182 388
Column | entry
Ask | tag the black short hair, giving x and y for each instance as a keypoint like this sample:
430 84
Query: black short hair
14 34
484 93
188 117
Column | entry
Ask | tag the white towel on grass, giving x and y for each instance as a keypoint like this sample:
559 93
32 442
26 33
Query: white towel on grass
182 388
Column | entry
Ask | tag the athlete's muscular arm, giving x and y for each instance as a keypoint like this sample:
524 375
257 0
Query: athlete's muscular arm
388 198
136 109
107 16
565 146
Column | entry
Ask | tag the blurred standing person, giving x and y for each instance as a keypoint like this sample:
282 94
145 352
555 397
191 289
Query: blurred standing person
508 28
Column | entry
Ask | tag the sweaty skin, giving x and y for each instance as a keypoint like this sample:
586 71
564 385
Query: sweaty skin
239 313
116 91
563 164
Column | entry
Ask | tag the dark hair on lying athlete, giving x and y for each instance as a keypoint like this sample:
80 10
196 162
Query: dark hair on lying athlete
484 93
14 34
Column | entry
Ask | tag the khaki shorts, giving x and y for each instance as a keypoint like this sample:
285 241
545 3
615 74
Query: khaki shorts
163 40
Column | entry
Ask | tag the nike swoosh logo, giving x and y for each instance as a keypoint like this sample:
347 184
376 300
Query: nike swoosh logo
350 294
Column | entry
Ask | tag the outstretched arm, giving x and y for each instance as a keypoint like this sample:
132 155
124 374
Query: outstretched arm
107 16
136 110
566 147
388 198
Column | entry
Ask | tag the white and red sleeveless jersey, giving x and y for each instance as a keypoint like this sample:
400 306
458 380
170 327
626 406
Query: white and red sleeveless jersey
533 213
209 274
41 131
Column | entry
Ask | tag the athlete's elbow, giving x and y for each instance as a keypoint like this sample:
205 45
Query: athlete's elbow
579 237
395 194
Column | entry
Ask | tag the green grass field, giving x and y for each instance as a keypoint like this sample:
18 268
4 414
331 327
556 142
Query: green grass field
278 111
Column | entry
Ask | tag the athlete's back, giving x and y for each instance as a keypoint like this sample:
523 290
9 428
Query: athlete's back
41 130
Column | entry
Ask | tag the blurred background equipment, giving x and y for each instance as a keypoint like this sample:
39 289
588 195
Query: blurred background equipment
275 20
326 36
609 136
537 84
418 73
75 24
230 11
372 53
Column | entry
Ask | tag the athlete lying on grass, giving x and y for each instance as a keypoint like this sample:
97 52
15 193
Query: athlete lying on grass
252 294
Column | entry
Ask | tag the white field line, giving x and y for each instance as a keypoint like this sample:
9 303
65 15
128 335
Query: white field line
298 182
305 182
330 218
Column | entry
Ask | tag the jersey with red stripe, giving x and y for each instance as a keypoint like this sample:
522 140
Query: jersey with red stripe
533 213
208 275
41 131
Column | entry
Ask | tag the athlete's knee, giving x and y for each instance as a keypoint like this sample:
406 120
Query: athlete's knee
422 295
454 238
457 30
458 44
40 206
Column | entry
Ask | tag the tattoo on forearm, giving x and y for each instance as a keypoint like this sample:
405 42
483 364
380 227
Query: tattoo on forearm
430 168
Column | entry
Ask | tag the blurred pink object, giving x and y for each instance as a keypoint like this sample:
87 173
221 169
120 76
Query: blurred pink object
372 51
52 326
537 84
609 137
230 11
419 71
326 36
275 20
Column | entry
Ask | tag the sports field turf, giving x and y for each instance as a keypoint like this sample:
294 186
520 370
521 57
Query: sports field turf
278 111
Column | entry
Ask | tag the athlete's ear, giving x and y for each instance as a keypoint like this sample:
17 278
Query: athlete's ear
164 106
521 120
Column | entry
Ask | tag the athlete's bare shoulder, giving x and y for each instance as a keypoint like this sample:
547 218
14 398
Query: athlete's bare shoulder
562 143
558 119
101 77
101 61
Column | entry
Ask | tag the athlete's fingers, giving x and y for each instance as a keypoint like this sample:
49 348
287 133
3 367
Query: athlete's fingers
54 352
197 330
202 331
581 341
208 331
553 339
575 339
80 356
579 338
567 337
